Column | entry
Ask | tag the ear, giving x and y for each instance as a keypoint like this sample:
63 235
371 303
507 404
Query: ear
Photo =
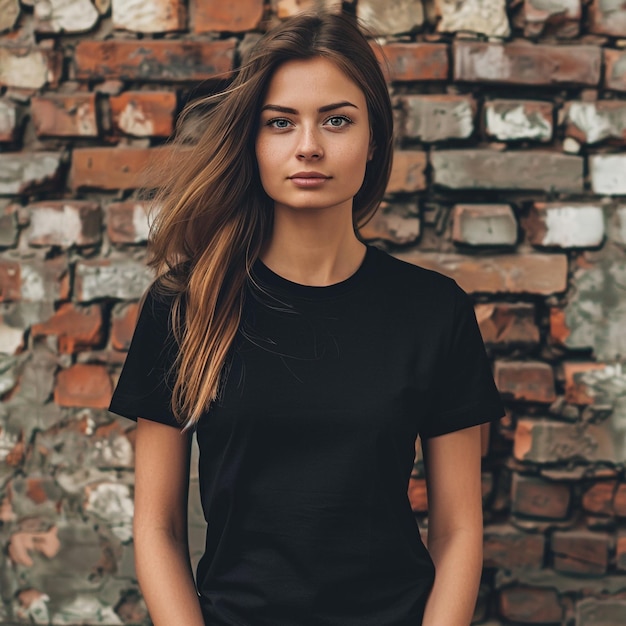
371 149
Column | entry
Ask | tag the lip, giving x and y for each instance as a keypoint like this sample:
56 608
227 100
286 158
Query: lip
309 179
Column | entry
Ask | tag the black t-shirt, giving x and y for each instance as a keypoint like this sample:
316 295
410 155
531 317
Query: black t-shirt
306 457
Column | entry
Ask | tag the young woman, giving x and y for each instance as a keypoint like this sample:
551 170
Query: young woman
306 362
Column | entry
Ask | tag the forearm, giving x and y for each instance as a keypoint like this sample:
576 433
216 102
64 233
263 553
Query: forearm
458 565
166 580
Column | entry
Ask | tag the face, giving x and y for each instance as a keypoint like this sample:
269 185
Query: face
313 141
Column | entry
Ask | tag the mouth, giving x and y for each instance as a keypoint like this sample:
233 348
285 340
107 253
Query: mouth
309 179
308 175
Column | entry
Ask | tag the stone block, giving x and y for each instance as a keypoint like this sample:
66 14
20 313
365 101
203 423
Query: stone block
517 120
128 222
76 328
22 172
58 115
580 552
144 113
507 547
538 170
484 225
398 223
64 223
9 119
408 172
438 117
598 499
543 274
487 17
534 497
521 63
507 324
158 16
29 68
9 12
607 174
233 17
527 381
154 60
124 320
592 122
64 16
607 17
561 17
389 18
615 69
600 611
83 385
124 279
530 605
403 62
565 225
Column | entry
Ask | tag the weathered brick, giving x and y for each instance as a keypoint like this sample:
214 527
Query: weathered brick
153 17
23 172
619 500
505 273
438 117
112 503
76 328
64 223
8 121
418 496
394 222
615 69
534 497
600 612
607 17
620 552
408 172
124 279
9 12
577 387
562 16
484 225
598 499
515 120
288 8
529 381
518 170
507 324
385 18
156 60
63 16
128 222
414 61
521 63
580 552
65 116
83 385
591 122
607 174
144 113
124 320
28 68
8 224
565 225
548 441
34 281
487 17
233 17
510 548
616 225
530 605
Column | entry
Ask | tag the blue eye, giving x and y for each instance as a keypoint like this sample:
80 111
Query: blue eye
279 122
338 121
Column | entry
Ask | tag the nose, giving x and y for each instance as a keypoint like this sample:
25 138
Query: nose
309 145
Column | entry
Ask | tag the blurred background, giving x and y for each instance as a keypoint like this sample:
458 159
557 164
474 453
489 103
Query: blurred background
509 175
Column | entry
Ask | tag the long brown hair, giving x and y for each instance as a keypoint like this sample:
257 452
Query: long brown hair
213 214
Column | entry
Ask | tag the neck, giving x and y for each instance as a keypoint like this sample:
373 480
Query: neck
316 248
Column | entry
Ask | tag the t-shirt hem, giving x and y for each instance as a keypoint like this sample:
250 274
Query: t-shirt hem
472 416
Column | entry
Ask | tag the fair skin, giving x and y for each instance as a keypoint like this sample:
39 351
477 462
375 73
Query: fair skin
312 148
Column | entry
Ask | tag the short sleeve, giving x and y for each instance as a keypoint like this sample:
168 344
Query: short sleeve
464 390
144 388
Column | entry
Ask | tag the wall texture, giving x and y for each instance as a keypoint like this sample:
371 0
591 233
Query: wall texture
510 175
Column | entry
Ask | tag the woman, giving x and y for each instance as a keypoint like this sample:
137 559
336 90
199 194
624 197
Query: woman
306 362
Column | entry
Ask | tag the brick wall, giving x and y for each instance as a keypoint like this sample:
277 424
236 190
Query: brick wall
510 175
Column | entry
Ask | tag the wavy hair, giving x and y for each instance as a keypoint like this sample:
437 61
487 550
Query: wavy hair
214 216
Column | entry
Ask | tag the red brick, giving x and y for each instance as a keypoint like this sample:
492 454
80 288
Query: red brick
562 17
234 17
507 547
507 324
520 63
559 331
29 68
615 69
403 62
394 222
59 115
408 172
9 119
598 499
620 556
123 325
529 381
144 113
484 225
502 119
619 500
438 117
83 385
530 605
127 222
34 281
152 17
580 552
10 284
576 390
607 18
592 122
77 328
534 497
64 223
418 496
150 60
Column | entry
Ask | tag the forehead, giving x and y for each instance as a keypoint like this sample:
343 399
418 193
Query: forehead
311 81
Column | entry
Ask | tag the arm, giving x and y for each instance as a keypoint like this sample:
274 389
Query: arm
455 533
162 561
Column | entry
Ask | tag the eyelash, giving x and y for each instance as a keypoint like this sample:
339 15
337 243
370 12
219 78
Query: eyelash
345 118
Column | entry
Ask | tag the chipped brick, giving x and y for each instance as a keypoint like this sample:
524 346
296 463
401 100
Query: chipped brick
233 17
535 497
580 552
484 225
438 117
577 389
65 116
144 113
561 17
65 16
615 69
607 17
408 172
487 17
598 499
385 18
64 223
507 324
592 122
516 120
124 279
128 222
27 68
8 224
507 547
34 281
22 172
287 8
8 121
124 320
414 61
394 222
153 17
83 385
530 605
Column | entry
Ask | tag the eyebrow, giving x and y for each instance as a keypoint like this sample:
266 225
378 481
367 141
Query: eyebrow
324 109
